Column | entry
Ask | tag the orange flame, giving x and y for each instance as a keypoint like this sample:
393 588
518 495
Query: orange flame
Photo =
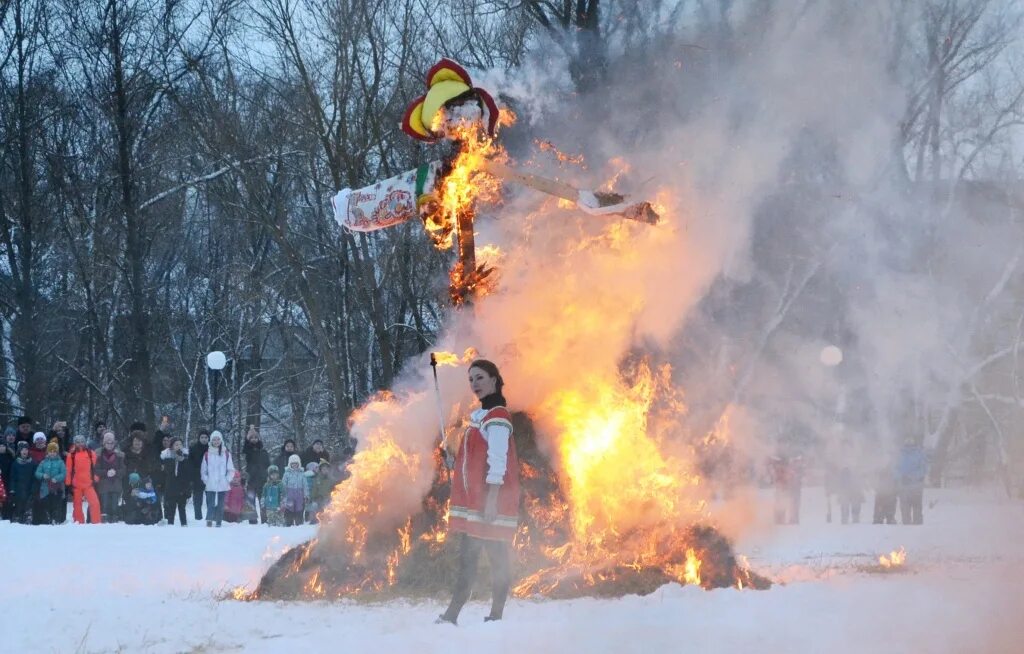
895 559
625 467
452 359
548 146
692 572
465 183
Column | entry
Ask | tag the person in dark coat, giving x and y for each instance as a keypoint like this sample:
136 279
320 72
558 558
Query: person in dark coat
137 459
288 449
195 457
62 434
11 440
315 453
98 429
6 461
257 460
885 495
112 475
25 428
162 437
177 472
20 491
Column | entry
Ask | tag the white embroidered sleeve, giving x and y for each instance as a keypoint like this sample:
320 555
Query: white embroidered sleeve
497 435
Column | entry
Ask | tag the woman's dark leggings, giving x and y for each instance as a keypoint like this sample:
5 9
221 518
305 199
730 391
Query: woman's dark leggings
197 501
469 557
172 503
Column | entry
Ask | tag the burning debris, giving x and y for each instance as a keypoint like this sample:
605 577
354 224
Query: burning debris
416 559
613 501
894 562
896 559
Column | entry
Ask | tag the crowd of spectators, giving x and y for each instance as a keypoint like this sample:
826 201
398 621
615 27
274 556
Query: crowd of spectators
154 478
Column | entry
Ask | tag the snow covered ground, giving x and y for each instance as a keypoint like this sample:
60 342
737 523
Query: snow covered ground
114 588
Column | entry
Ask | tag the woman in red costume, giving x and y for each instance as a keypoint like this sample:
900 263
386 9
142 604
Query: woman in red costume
485 492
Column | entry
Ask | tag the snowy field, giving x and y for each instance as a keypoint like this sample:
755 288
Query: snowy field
114 588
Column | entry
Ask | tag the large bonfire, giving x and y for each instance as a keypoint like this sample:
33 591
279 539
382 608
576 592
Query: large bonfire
614 500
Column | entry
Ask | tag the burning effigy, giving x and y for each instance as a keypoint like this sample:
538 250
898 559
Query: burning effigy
613 498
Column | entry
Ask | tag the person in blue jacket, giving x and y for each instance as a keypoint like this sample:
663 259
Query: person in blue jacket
50 475
23 484
910 473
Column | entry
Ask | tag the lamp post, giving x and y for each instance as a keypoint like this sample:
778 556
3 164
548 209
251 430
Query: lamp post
215 361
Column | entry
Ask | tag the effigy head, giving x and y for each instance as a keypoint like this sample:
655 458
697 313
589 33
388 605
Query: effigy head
450 97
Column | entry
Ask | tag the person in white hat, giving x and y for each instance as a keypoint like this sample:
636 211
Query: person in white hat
216 473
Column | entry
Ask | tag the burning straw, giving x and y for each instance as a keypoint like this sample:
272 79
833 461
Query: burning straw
614 501
416 559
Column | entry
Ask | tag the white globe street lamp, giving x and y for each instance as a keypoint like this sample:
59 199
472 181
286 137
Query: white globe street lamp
831 356
215 361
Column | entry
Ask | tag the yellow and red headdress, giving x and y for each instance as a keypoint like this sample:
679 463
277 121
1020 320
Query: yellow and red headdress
446 81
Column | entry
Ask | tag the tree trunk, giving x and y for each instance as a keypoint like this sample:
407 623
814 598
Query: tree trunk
135 245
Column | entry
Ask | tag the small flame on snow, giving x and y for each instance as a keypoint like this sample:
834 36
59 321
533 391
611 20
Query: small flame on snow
895 559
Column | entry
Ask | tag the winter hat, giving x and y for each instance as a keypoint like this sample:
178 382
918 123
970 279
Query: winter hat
79 440
294 459
324 462
52 448
273 470
134 479
24 420
216 434
312 466
22 445
38 436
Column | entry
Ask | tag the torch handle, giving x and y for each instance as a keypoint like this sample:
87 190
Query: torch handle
440 414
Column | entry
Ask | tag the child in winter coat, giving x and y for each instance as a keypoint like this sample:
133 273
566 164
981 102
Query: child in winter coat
141 507
177 473
320 493
273 493
81 465
311 469
51 474
6 461
296 492
23 483
234 504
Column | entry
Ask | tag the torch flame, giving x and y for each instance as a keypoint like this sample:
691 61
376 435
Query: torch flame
452 359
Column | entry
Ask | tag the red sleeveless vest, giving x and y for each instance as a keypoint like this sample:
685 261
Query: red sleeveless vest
469 483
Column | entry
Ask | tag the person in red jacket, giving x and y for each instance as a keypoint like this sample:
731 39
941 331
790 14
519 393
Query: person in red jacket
38 450
81 465
485 493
